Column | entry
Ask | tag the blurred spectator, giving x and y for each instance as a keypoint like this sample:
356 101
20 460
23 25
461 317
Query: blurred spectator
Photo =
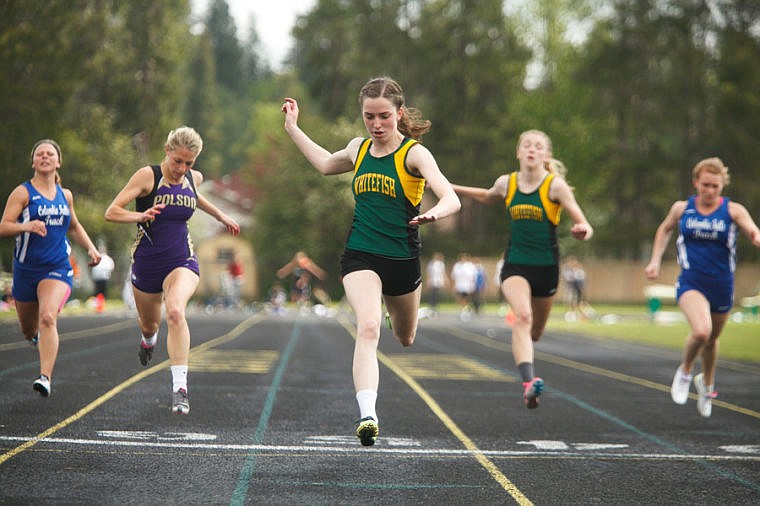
101 273
436 280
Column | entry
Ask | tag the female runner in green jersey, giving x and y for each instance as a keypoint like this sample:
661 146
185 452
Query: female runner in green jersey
381 260
533 197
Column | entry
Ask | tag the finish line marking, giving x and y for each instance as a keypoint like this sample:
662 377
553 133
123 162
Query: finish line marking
402 449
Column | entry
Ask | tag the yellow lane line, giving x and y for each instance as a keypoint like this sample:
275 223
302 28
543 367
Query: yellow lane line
599 371
232 334
78 334
484 461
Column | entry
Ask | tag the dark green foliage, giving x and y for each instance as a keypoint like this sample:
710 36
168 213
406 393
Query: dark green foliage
632 92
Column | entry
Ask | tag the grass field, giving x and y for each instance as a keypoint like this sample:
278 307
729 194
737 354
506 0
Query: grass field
740 340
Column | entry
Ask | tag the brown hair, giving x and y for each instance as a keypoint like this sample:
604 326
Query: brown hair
411 123
57 150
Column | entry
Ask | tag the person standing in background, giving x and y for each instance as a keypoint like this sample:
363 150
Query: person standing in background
480 285
464 276
236 274
101 273
40 213
437 280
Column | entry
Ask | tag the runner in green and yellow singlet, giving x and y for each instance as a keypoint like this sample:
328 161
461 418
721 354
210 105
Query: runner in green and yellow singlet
381 259
534 196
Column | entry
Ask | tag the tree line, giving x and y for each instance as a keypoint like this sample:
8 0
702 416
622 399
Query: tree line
632 93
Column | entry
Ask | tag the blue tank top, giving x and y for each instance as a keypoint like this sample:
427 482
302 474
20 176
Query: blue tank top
54 248
166 238
707 243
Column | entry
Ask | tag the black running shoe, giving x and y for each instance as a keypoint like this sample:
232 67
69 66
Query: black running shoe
367 430
145 354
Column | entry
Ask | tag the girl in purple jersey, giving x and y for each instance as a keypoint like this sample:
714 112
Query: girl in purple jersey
164 265
39 213
707 225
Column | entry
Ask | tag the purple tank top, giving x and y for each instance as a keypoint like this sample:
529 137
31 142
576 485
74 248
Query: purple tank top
167 238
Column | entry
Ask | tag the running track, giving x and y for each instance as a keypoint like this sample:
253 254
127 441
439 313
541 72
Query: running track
272 412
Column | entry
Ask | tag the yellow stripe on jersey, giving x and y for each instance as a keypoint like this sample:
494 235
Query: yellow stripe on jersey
414 186
362 151
551 208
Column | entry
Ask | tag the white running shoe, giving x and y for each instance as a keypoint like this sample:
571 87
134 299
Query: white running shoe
180 402
42 385
679 389
705 396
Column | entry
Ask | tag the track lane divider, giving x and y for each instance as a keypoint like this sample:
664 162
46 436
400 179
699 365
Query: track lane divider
599 371
476 452
232 334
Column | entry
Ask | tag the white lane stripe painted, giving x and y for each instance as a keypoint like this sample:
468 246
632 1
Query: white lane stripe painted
168 436
351 440
376 449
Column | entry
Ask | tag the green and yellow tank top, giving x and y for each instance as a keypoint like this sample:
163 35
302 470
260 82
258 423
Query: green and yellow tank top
535 217
386 197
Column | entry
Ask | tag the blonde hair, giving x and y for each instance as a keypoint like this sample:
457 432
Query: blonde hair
551 164
555 166
712 165
185 137
536 132
411 123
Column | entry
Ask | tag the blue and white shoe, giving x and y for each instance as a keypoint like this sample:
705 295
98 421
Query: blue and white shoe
532 391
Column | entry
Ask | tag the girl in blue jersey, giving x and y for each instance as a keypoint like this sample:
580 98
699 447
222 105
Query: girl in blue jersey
164 266
707 226
39 213
381 260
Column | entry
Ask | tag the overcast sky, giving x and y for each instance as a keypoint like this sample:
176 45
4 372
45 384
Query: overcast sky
274 19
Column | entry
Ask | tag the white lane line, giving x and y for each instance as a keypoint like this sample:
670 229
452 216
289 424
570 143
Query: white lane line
377 449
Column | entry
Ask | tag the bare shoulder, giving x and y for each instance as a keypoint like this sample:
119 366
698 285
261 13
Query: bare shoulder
197 177
676 210
19 196
352 148
143 178
736 209
502 182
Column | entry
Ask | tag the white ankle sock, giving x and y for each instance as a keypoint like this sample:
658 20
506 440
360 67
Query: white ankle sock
366 400
179 377
150 342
